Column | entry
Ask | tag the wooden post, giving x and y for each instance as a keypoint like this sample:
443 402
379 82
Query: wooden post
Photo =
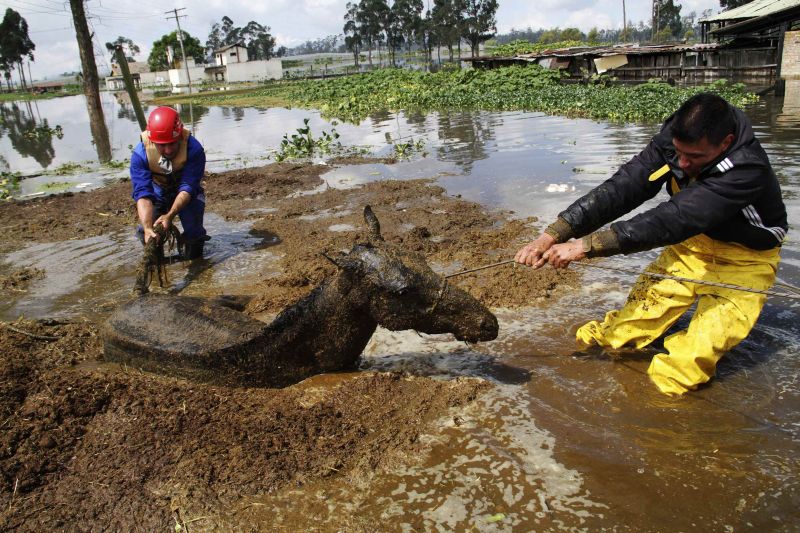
91 82
780 86
122 61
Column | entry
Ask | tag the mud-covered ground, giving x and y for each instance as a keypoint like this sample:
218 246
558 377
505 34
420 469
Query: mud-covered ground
85 444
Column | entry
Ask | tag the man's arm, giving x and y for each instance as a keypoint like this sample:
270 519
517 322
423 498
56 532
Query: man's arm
193 170
628 188
144 208
141 177
181 201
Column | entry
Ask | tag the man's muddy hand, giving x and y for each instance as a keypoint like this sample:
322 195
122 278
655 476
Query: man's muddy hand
561 255
532 254
164 220
149 234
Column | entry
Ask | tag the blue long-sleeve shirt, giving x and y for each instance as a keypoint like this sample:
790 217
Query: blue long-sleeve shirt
191 174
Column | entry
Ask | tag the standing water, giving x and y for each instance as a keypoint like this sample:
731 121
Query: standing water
565 440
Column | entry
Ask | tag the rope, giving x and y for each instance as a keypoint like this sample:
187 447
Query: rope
795 290
697 281
480 268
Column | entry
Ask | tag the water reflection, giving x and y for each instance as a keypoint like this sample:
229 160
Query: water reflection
790 109
236 113
28 137
464 137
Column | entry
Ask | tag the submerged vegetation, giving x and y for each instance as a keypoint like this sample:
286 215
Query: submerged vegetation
304 144
530 88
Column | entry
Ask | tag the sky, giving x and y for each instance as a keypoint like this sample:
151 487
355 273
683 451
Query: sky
292 22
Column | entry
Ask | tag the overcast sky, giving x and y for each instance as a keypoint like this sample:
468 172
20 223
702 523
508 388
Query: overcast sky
292 21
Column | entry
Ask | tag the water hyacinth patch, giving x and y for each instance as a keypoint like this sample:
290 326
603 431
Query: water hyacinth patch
530 88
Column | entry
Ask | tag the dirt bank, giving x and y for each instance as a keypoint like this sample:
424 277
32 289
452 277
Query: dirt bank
86 445
89 445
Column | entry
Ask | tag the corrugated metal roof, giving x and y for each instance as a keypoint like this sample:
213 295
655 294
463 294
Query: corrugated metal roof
241 45
756 8
614 50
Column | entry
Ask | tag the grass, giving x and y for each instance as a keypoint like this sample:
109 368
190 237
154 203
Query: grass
55 186
269 95
18 96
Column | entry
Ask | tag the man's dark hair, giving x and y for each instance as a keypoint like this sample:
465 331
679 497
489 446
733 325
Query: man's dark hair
703 115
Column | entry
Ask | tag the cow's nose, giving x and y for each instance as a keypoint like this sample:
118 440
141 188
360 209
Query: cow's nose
489 328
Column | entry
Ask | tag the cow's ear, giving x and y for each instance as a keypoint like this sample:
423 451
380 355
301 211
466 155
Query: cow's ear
372 224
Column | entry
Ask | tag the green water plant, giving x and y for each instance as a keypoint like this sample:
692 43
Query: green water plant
9 183
69 168
404 150
530 88
304 144
44 132
55 186
117 165
521 46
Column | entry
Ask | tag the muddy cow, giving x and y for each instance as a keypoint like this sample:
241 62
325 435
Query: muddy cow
375 284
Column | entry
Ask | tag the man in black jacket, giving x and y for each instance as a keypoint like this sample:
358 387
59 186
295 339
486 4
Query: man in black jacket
724 222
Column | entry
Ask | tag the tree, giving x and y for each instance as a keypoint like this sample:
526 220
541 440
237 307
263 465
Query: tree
480 23
15 44
409 19
572 34
352 31
128 47
91 82
730 4
370 17
158 55
550 36
593 36
256 38
259 42
446 17
216 39
390 23
666 15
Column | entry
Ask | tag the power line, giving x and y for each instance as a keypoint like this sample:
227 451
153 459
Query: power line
51 29
27 8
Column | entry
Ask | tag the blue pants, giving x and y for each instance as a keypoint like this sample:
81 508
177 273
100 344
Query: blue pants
191 216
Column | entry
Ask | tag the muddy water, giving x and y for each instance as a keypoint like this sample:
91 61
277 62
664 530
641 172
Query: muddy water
566 440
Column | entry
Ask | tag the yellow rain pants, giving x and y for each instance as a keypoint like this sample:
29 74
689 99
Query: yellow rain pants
723 318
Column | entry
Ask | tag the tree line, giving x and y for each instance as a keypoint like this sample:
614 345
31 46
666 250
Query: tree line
373 24
15 46
672 25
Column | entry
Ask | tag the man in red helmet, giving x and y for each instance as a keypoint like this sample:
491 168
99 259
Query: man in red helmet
166 169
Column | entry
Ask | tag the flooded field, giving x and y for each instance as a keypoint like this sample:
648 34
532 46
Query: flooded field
563 439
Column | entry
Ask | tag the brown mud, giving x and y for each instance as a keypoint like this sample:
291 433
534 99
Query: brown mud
85 444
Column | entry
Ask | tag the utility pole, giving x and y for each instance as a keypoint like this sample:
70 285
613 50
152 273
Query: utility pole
655 28
624 23
180 40
91 82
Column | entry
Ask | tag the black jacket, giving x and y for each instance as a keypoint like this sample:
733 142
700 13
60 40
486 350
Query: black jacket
736 198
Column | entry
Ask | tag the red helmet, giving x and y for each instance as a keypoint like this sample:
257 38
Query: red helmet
164 126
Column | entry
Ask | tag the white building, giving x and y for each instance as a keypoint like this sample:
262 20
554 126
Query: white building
233 53
232 66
